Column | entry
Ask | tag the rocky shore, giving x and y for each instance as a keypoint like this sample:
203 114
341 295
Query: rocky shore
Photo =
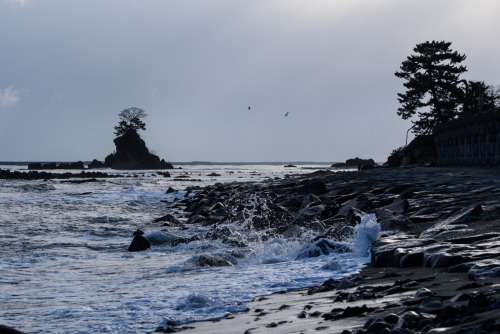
44 175
435 266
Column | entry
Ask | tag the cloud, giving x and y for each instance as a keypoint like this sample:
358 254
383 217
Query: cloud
21 2
9 97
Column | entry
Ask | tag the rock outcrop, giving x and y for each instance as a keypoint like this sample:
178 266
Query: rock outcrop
132 153
139 243
53 165
356 162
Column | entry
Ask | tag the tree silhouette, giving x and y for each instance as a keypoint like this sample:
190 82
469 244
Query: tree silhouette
432 85
131 120
479 97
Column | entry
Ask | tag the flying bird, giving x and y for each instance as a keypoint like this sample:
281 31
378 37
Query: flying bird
286 114
248 107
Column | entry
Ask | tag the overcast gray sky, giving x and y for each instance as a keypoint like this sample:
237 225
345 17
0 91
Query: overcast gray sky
67 68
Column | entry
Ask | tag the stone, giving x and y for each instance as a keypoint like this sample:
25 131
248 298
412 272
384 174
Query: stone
398 223
447 223
485 269
139 243
95 164
215 260
9 330
423 292
345 284
170 190
399 206
313 187
35 165
432 305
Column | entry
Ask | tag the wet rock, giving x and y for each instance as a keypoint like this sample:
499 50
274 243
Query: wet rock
443 255
215 260
432 305
377 326
384 250
184 240
399 206
9 330
139 243
398 223
345 284
485 269
318 248
423 292
313 187
391 318
448 223
170 190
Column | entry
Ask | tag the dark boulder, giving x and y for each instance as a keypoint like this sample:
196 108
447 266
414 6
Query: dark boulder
50 165
356 162
139 243
96 164
313 187
170 190
35 165
215 260
9 330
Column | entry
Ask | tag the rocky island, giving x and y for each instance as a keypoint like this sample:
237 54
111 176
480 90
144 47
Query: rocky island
131 152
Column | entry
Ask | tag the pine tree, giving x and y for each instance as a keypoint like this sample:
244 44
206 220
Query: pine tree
432 85
130 121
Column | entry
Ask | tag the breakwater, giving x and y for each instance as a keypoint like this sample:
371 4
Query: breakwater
472 141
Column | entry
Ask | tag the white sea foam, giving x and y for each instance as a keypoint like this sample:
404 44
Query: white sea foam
367 232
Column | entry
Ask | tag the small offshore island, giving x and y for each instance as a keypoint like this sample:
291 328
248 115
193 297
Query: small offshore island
131 154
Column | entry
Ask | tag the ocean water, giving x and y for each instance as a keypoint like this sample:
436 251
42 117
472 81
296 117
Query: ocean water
65 267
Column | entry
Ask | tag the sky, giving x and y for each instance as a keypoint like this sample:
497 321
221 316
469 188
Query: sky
67 68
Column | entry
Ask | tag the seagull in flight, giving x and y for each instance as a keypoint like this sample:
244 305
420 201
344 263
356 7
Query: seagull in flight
286 114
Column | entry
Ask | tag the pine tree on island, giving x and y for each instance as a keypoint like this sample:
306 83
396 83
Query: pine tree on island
131 151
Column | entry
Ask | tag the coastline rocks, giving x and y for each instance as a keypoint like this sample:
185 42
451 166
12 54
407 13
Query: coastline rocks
53 165
356 162
442 219
214 260
42 175
96 164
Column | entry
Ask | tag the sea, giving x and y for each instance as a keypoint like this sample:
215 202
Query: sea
65 267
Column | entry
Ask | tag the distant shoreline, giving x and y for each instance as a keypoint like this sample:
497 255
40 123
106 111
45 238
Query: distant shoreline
17 163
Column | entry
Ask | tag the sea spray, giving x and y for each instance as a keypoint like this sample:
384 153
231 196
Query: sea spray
366 233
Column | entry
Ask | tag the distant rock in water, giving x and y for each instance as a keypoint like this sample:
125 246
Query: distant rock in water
356 162
96 164
139 243
132 153
53 165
